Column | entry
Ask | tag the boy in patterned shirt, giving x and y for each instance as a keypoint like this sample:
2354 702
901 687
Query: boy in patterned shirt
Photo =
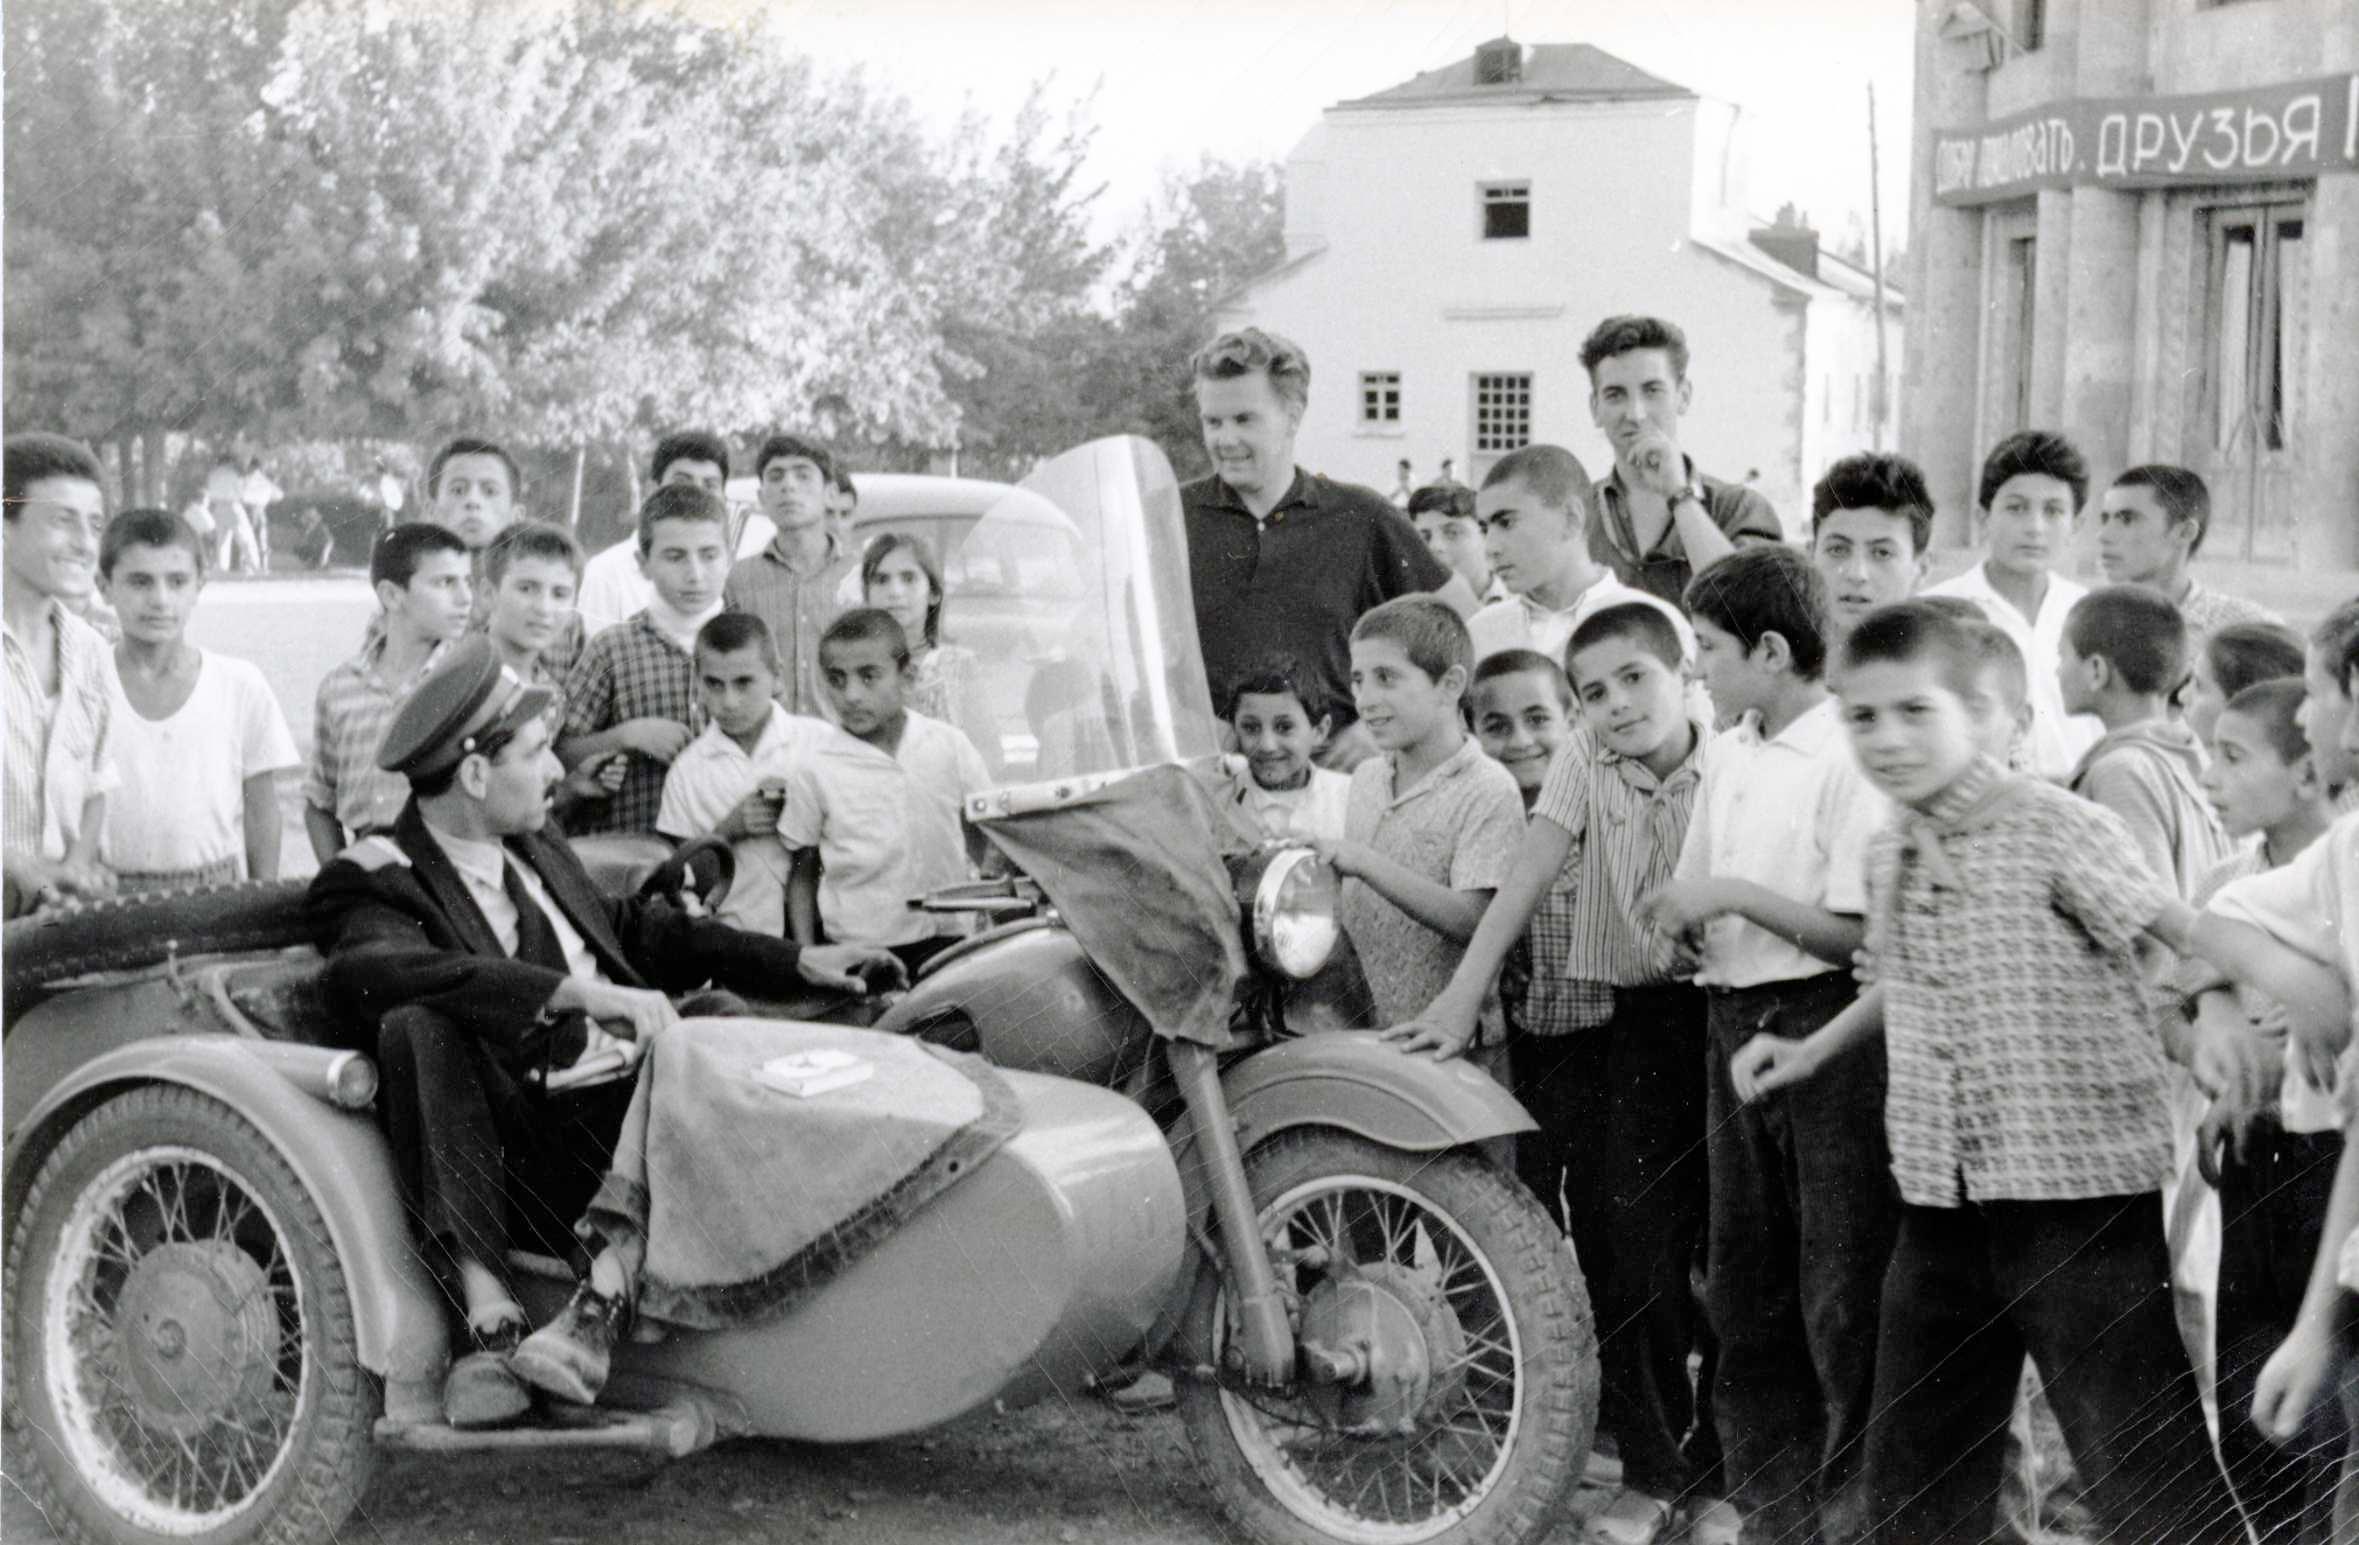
2026 1116
634 688
1609 1065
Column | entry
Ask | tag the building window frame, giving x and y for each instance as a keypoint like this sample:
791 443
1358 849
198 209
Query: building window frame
1499 416
2250 299
1380 400
1503 209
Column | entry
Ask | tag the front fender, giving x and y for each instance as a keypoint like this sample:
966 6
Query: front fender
340 1158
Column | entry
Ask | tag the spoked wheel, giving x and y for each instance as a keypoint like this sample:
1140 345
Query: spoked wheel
181 1363
1447 1384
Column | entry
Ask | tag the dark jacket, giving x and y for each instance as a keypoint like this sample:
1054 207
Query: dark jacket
398 927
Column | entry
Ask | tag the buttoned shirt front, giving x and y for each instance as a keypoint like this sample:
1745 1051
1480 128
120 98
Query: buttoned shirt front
1628 828
2057 738
2024 1060
798 604
887 827
60 749
708 779
356 701
481 865
1792 813
1519 622
1663 570
636 671
1459 826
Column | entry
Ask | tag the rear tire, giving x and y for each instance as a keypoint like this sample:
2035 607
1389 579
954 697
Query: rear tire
1502 1456
182 1365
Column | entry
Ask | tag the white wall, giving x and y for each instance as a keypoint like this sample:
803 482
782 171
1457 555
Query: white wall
1840 362
1405 283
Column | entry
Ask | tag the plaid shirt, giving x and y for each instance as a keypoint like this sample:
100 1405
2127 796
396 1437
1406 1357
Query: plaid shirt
2025 1065
59 754
798 604
630 671
356 702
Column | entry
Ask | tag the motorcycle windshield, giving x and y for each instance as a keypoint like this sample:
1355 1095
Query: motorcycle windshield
1090 718
1079 576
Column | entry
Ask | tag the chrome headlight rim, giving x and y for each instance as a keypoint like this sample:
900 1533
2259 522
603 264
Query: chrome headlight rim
1279 868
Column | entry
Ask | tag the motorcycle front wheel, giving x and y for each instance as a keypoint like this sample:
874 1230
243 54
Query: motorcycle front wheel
1447 1387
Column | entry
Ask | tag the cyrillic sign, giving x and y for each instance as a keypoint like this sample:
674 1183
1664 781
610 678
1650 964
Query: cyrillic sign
2259 135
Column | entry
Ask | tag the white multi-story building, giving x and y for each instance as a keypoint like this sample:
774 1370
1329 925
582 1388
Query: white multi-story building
1450 242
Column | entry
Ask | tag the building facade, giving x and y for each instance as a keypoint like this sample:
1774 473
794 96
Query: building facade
2138 221
1451 241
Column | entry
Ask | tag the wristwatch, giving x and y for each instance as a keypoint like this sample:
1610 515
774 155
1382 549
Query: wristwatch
1693 491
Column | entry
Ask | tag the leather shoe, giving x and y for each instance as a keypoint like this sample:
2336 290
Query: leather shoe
569 1356
480 1390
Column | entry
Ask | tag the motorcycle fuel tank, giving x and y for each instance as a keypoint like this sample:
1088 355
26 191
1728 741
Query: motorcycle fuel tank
1026 997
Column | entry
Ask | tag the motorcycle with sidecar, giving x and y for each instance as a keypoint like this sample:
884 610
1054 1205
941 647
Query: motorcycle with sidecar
216 1320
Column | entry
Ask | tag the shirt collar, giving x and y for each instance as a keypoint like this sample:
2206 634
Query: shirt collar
479 859
1808 734
1640 776
1601 588
1454 765
1963 792
55 611
833 555
1302 492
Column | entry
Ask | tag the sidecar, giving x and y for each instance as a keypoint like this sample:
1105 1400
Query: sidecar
215 1317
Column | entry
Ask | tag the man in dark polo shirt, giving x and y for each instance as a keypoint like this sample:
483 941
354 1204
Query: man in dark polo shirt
1284 561
1656 519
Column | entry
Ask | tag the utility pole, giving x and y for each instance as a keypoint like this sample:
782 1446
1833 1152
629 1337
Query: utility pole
1881 395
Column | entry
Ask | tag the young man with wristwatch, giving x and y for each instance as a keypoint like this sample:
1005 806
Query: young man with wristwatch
1656 519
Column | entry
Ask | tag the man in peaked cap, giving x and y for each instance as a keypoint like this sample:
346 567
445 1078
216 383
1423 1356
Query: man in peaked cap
486 960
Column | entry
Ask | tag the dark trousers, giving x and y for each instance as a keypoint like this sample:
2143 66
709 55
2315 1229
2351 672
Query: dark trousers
1802 1216
1621 1114
487 1162
2085 1287
2272 1211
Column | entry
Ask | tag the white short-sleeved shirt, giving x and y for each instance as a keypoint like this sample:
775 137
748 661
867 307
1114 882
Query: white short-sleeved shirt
1793 814
2057 738
1317 809
1519 622
709 776
613 590
887 827
181 804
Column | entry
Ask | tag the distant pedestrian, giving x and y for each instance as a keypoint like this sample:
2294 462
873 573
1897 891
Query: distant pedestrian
1280 559
1403 485
225 496
257 492
1443 514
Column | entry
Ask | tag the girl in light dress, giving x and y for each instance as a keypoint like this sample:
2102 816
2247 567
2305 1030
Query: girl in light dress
899 574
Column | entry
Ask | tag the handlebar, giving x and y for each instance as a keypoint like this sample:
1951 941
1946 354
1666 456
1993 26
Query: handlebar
1016 894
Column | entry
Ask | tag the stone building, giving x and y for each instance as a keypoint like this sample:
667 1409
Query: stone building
1450 241
2138 221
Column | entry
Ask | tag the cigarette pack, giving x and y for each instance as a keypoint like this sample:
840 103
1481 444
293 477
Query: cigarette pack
804 1074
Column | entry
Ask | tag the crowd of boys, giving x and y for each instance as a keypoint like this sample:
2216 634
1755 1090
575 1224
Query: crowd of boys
1839 931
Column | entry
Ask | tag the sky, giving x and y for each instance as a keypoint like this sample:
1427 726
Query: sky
1175 79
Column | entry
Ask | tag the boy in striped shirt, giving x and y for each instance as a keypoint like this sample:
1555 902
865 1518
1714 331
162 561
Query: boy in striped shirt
1613 1072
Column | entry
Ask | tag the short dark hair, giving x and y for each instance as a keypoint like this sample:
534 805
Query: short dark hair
1625 334
1876 480
1518 662
1756 591
2275 705
1433 636
891 542
2135 630
1909 631
729 632
1553 474
472 445
34 457
689 445
2244 654
679 501
862 623
147 528
1453 499
2337 628
1641 622
1249 351
398 552
1273 675
2036 451
2182 495
783 444
530 539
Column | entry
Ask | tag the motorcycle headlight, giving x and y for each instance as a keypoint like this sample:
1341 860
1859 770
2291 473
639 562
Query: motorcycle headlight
1290 900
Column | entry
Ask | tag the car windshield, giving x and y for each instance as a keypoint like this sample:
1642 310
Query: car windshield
1092 667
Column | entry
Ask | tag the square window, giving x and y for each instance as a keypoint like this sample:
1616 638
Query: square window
1380 396
1507 211
1502 413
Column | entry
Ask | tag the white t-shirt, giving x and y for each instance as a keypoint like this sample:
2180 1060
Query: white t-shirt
1314 810
182 801
887 827
1519 622
2057 739
1794 814
613 589
709 776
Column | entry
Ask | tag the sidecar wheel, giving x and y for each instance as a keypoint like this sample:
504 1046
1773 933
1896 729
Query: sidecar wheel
181 1356
1446 1278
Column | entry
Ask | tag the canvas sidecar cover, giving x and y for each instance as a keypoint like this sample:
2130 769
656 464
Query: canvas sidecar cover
749 1197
